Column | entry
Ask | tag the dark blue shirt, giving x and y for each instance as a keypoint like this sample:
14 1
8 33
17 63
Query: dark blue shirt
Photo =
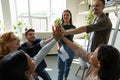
33 50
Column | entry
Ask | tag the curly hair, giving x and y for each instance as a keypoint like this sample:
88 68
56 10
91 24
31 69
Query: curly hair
4 43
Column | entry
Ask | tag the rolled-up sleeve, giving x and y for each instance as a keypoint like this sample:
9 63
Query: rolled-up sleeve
83 54
101 24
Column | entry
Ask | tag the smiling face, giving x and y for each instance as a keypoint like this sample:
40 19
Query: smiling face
67 17
98 7
14 43
9 43
30 36
93 58
31 66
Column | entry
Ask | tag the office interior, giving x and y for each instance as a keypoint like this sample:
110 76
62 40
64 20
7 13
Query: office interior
17 15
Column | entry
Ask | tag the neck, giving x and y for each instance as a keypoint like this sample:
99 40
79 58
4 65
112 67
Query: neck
95 72
66 23
30 43
13 50
98 15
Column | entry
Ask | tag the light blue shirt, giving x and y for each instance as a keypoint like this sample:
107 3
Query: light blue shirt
43 52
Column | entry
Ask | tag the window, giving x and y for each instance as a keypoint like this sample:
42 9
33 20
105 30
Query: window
39 14
113 17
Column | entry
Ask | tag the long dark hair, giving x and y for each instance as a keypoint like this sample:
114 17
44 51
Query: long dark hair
70 16
109 58
13 66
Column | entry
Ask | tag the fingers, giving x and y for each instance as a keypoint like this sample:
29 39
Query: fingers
57 31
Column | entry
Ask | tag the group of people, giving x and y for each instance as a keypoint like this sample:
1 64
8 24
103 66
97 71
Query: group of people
10 46
26 61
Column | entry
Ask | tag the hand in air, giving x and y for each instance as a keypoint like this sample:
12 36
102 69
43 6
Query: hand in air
57 32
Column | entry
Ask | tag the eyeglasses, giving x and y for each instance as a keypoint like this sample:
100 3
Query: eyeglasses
15 38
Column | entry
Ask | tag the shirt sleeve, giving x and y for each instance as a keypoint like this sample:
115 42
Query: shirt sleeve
42 43
43 52
81 52
101 24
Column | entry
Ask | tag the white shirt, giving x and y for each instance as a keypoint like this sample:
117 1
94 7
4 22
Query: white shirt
43 52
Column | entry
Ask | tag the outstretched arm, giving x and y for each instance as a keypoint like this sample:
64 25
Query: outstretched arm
77 50
44 51
74 31
58 30
44 42
70 44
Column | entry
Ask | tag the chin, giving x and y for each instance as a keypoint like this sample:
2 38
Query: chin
90 61
95 13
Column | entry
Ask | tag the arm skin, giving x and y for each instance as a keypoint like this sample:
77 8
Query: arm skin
79 51
44 42
48 40
70 44
75 31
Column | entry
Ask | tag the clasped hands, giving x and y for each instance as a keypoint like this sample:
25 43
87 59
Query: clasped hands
57 31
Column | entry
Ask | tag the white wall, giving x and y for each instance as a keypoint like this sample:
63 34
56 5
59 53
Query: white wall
1 17
76 7
117 42
44 36
79 19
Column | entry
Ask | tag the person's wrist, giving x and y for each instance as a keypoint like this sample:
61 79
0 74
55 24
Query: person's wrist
64 32
62 36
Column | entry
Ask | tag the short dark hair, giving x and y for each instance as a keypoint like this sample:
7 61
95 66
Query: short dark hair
26 33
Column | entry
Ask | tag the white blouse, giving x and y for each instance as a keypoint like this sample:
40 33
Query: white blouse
92 78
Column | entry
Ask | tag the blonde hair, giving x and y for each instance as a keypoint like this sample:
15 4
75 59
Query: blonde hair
4 43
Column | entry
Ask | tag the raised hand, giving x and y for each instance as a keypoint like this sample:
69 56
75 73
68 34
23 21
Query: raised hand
57 32
63 31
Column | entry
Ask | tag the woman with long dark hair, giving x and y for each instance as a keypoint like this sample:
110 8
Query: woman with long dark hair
104 61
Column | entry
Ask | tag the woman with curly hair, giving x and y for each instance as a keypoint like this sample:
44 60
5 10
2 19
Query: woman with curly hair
16 64
8 43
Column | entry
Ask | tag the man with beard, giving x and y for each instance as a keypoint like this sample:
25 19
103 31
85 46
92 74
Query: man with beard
99 30
31 42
